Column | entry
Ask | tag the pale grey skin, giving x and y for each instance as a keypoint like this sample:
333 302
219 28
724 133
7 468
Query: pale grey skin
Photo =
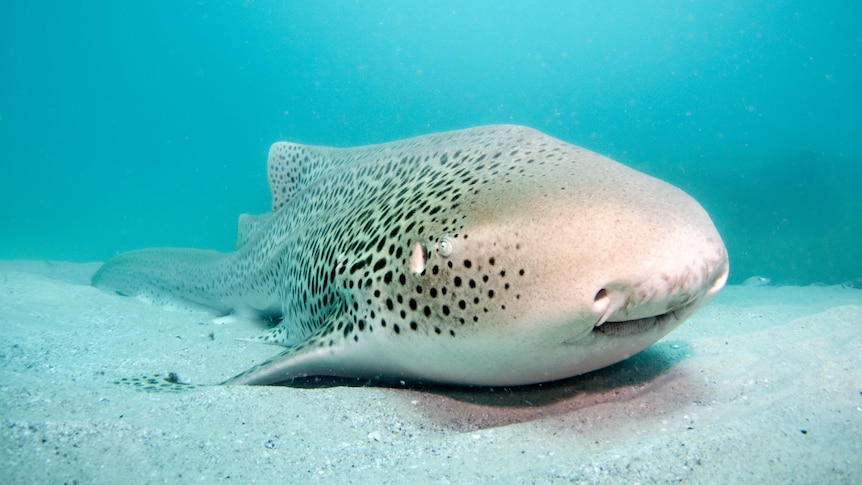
491 256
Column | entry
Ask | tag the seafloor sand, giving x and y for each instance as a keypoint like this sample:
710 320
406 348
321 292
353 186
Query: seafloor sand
763 385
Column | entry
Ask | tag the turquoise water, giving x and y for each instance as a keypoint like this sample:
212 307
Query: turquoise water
131 125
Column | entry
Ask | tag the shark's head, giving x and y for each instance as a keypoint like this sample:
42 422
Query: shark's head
569 268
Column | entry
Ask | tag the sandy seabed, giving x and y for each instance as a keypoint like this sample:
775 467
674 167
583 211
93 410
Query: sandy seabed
764 385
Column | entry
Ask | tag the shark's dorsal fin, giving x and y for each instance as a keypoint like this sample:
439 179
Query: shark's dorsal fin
292 167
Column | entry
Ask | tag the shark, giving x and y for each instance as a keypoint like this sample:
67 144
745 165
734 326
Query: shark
489 256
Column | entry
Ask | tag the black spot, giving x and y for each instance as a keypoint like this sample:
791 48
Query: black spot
418 289
389 304
396 328
412 304
457 281
402 279
433 292
452 333
357 266
413 326
462 304
521 272
491 261
472 284
437 330
379 264
468 263
490 293
445 310
427 311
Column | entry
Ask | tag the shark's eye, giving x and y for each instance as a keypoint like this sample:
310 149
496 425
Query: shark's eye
445 246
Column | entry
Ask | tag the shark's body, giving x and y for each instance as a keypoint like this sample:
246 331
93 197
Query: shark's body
491 256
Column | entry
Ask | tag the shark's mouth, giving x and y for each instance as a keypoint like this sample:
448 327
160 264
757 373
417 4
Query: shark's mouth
628 327
641 325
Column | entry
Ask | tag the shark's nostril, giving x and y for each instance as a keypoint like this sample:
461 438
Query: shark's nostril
602 305
601 296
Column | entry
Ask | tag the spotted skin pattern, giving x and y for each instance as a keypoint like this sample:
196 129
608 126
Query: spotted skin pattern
442 258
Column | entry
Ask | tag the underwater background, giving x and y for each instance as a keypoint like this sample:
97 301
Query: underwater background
135 124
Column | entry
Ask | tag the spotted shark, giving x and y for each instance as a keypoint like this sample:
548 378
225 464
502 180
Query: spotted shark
492 256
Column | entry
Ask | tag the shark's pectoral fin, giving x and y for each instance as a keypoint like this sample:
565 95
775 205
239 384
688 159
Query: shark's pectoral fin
317 355
297 361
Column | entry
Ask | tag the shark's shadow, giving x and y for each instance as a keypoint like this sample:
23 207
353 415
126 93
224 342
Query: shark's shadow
468 408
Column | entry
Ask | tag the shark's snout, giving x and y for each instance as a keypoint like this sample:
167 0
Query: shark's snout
629 307
719 280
